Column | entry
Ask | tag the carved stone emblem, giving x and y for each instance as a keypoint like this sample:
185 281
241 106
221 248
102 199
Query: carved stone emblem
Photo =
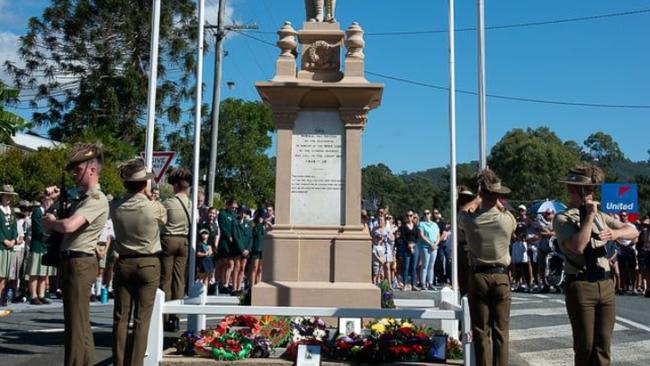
321 56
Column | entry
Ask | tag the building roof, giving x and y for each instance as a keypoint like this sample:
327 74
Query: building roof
31 141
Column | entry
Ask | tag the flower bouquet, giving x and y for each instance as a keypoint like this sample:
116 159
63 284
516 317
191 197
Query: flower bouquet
276 329
306 330
387 298
185 344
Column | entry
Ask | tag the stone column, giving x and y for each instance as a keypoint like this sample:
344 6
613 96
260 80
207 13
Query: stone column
354 120
284 119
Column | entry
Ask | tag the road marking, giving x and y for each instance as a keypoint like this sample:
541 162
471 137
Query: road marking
538 311
624 320
52 330
527 302
633 323
622 354
548 332
541 296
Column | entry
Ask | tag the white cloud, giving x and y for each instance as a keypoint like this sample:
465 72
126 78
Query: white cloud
212 12
8 52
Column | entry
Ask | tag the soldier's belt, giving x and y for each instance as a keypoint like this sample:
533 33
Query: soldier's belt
70 254
585 277
490 270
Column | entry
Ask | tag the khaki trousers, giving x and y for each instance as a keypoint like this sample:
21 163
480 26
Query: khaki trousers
489 298
592 310
173 263
136 282
78 276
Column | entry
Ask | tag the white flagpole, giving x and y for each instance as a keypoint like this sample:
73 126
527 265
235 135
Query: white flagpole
153 82
197 147
482 143
452 148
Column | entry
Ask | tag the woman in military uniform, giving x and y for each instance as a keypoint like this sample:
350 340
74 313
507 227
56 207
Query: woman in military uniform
582 233
136 221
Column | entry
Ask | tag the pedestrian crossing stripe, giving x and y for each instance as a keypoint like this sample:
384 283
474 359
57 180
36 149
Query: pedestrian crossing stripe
622 354
553 331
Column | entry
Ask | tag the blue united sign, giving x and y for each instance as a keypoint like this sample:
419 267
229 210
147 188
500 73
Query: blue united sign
619 197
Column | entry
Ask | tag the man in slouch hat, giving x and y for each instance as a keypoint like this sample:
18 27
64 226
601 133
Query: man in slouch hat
88 214
488 227
137 218
582 232
174 240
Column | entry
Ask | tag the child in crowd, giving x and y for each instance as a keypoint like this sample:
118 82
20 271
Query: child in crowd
378 260
204 261
520 262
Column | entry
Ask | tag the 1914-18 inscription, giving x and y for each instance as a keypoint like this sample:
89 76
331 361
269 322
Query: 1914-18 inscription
317 173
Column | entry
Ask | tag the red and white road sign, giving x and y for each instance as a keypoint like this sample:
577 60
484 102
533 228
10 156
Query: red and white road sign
160 163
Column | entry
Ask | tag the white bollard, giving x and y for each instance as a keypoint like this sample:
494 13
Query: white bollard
197 295
449 326
154 352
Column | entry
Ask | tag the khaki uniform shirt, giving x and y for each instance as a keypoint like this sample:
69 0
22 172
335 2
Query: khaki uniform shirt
137 221
566 224
488 234
177 220
92 206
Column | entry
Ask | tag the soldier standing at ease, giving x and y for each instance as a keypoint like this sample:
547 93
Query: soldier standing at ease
136 219
174 241
488 228
582 233
80 230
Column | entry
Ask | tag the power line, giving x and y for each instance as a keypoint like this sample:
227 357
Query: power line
507 97
495 96
504 26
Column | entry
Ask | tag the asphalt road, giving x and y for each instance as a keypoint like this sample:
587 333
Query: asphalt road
540 332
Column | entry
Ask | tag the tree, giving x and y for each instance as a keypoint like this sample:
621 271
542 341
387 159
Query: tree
31 172
531 162
244 171
601 148
87 61
9 122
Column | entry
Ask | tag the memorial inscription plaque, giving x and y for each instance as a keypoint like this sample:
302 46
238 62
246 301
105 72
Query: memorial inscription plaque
317 170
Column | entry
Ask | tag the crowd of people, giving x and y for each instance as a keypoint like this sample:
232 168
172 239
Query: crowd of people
414 252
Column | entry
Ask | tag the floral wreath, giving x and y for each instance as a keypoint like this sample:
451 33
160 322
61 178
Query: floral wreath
229 347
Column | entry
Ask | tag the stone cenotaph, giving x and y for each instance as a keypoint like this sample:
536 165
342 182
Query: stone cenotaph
319 253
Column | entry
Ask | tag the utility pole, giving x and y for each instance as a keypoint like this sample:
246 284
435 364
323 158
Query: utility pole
220 35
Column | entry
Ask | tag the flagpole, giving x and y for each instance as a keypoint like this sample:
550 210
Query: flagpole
452 148
482 142
153 83
197 145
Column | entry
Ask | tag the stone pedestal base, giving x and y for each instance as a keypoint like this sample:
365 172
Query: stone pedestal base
317 294
326 267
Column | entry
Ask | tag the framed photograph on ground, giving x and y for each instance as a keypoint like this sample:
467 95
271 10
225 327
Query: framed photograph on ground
308 355
438 351
349 325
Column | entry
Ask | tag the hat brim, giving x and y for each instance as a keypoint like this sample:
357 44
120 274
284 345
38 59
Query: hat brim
466 193
10 193
573 183
502 190
146 177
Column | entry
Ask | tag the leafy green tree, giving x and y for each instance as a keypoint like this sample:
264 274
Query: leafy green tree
31 172
9 122
87 60
603 149
531 162
244 171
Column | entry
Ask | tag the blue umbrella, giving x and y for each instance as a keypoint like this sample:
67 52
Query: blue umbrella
542 206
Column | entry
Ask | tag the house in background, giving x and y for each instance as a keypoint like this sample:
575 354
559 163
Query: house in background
29 142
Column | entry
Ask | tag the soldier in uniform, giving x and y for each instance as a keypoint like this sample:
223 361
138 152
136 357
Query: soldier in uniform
464 196
136 220
582 233
88 214
488 227
174 241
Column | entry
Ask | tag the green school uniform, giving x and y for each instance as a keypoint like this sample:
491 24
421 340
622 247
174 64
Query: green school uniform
258 240
226 220
243 236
